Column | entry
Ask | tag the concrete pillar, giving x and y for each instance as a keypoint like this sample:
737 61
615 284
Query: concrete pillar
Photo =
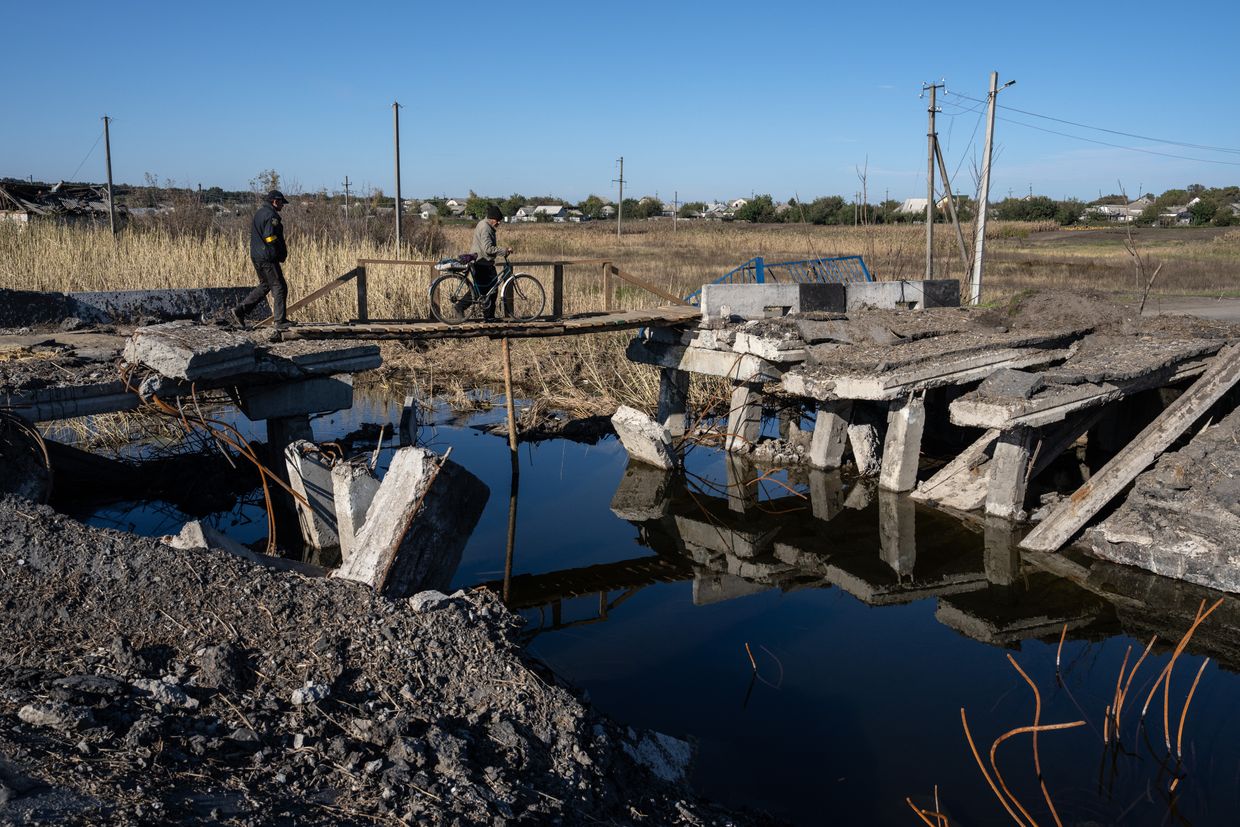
826 493
282 432
310 475
897 536
744 417
673 400
860 495
644 439
826 449
354 486
1009 472
902 447
742 492
863 437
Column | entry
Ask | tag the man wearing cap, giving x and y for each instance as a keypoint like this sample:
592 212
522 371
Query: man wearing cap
485 248
268 252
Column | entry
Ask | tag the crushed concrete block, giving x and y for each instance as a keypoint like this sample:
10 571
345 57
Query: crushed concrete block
354 486
416 526
645 440
183 350
1007 383
311 693
165 693
56 715
310 475
196 534
428 601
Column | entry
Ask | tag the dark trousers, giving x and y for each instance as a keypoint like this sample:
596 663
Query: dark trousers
485 276
270 280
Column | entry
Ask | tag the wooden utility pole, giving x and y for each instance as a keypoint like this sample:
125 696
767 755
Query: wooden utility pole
620 202
983 196
346 199
107 151
396 129
931 138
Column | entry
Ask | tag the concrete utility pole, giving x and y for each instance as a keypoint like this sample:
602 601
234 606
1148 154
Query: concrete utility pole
931 138
396 129
675 208
346 199
983 197
620 202
107 151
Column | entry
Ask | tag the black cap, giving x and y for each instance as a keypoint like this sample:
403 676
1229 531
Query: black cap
494 212
276 195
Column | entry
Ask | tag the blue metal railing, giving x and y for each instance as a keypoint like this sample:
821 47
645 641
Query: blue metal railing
838 270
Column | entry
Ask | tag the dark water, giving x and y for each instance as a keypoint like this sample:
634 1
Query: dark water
871 620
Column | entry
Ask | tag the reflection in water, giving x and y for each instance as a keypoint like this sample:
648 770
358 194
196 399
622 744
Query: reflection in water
747 538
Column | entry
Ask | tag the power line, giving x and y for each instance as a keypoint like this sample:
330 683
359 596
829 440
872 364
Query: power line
1206 147
1121 146
87 158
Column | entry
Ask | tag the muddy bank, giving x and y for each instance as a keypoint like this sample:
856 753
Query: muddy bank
139 684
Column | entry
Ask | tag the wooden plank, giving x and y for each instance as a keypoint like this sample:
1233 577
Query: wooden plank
338 281
1072 515
515 264
960 474
645 285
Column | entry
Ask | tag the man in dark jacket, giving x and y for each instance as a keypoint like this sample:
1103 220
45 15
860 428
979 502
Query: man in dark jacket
268 251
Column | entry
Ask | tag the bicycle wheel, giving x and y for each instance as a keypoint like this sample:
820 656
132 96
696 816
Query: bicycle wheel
523 297
452 299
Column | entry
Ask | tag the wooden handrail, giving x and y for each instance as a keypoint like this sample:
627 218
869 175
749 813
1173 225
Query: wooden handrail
416 262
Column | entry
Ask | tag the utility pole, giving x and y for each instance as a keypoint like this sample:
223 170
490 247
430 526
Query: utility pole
346 199
675 208
983 197
931 138
620 202
396 128
107 151
951 203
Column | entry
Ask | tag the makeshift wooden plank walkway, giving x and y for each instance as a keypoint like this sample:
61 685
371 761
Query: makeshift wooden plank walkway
666 316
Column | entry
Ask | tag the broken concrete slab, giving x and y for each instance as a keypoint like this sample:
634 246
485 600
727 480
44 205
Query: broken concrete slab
354 486
917 294
319 394
844 331
1016 384
183 350
310 475
644 439
197 534
417 526
762 301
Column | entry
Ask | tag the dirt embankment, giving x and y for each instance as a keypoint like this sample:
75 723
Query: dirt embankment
140 684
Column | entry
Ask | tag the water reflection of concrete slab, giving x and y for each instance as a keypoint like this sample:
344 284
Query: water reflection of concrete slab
1039 605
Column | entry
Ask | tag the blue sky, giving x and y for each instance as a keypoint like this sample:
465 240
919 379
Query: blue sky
711 100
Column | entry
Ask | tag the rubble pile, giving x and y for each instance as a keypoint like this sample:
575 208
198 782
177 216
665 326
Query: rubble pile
143 684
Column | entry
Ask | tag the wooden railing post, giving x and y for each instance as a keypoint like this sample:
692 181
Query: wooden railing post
557 291
363 308
607 286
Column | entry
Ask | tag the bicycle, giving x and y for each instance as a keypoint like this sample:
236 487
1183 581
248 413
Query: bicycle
455 297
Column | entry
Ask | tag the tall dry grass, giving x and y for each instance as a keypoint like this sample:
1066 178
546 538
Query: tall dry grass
590 373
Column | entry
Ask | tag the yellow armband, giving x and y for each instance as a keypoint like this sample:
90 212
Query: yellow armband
270 239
